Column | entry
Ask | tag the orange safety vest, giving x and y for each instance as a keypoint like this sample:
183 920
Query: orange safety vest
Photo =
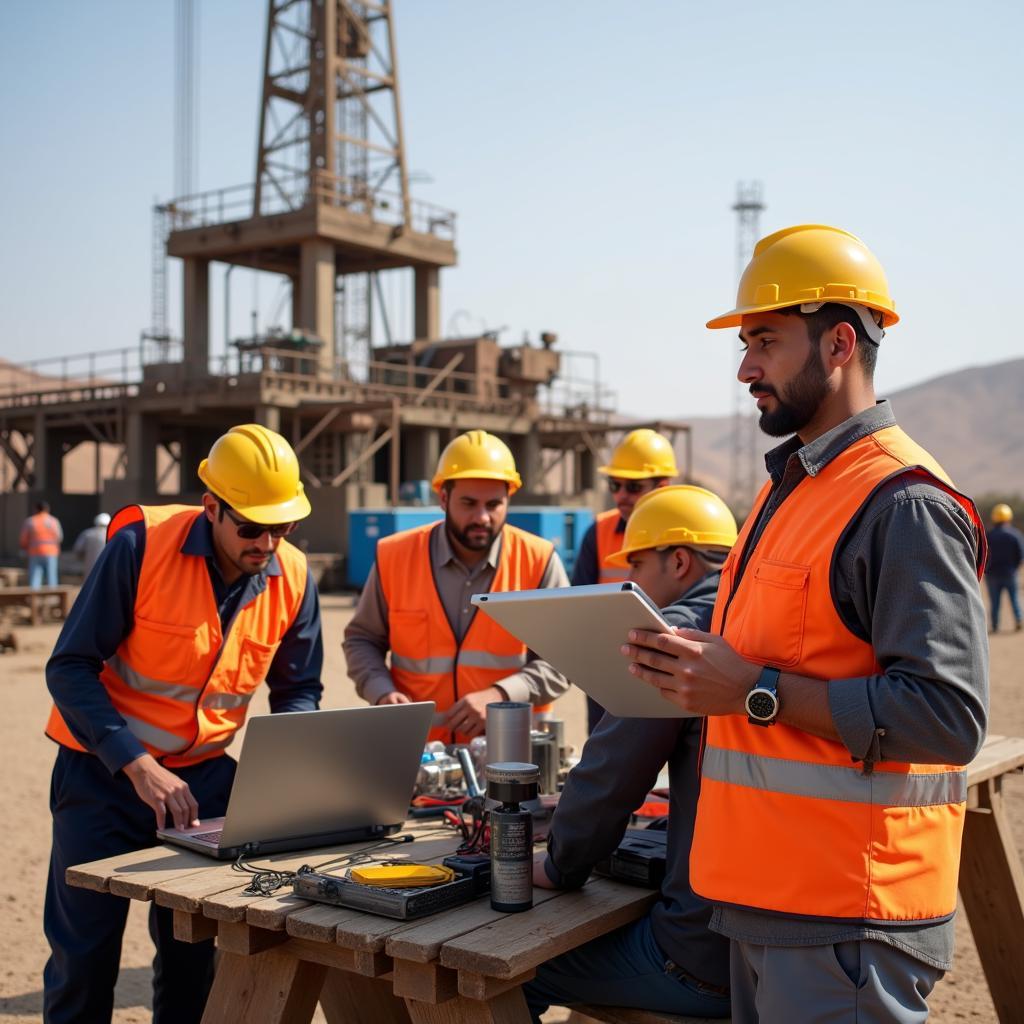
181 685
609 540
427 663
40 536
786 822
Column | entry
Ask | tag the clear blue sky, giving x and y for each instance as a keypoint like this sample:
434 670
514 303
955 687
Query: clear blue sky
591 150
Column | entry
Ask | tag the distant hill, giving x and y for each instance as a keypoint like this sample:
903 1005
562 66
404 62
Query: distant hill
971 420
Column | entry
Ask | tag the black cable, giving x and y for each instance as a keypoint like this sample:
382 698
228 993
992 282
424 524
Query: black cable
267 880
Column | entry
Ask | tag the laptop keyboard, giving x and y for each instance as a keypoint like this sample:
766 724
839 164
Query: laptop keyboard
210 837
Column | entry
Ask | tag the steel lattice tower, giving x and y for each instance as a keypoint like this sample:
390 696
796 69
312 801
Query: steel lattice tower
743 469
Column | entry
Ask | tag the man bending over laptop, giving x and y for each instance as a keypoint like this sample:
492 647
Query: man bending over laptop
669 961
185 613
416 602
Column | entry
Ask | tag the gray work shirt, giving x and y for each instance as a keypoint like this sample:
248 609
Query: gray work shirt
367 640
904 579
620 764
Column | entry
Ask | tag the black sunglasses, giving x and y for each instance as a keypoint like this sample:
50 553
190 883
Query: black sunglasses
248 530
632 486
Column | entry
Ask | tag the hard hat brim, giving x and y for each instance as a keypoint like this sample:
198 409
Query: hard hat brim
479 474
273 515
734 318
620 558
635 474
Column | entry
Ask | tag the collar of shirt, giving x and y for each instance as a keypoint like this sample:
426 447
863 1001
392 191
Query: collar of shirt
446 553
199 541
817 454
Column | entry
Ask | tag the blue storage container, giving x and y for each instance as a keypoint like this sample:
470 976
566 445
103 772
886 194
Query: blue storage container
564 527
366 526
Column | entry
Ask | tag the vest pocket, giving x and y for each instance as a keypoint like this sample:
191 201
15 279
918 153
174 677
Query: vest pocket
776 606
254 660
162 651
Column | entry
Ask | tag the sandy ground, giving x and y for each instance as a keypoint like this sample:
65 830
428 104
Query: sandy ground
26 757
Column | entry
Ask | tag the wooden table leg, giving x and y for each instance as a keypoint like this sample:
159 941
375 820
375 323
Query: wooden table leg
268 988
992 888
348 998
33 608
507 1008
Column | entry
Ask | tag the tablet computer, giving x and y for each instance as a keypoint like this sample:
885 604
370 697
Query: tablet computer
579 630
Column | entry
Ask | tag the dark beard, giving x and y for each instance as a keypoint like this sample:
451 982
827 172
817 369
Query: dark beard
477 543
800 400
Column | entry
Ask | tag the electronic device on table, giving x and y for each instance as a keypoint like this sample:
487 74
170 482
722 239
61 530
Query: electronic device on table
470 878
579 630
316 778
639 858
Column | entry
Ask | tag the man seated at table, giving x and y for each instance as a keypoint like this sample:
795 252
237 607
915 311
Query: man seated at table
669 961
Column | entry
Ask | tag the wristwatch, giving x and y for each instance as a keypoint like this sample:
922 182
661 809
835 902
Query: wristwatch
763 699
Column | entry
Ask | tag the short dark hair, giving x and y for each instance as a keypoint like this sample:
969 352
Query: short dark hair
42 506
826 318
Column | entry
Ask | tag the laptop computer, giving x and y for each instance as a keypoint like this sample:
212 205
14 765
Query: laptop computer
579 631
316 778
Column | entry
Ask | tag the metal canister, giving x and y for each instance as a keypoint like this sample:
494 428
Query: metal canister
511 784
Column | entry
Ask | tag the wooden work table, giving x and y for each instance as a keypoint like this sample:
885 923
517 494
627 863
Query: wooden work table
281 955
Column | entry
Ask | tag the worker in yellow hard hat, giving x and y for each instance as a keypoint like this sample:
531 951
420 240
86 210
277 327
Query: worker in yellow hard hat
669 959
1005 555
416 601
641 461
847 651
186 612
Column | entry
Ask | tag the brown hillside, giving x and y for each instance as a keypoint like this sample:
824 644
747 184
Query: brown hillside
971 420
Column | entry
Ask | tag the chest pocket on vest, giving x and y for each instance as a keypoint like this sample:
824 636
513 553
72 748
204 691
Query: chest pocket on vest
776 607
409 633
254 660
163 651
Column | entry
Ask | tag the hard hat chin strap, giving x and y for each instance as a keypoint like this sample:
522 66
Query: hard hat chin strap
872 328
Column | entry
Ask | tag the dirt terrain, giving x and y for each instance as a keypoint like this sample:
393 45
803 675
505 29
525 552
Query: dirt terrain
26 757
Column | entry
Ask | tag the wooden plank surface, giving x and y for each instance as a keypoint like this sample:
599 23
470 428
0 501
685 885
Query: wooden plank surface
134 874
999 755
519 942
422 940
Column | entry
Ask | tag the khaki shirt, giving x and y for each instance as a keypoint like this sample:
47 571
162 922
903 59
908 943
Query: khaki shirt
367 641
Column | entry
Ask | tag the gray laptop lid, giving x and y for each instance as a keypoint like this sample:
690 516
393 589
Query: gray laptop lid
579 630
306 773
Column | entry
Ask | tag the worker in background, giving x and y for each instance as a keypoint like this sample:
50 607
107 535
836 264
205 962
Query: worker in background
186 612
845 674
642 461
1005 554
41 537
416 602
668 960
91 542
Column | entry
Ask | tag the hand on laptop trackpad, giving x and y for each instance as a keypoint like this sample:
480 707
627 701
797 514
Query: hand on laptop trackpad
205 825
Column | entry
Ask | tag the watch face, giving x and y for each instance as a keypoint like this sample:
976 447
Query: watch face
761 704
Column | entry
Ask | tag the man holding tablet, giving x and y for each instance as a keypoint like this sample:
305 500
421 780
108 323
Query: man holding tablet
673 546
845 673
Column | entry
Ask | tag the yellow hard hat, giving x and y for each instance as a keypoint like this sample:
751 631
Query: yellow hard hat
642 455
670 516
477 455
256 472
810 263
1002 513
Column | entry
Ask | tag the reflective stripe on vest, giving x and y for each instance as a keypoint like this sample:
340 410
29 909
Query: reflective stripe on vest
832 782
426 662
881 846
609 540
181 687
